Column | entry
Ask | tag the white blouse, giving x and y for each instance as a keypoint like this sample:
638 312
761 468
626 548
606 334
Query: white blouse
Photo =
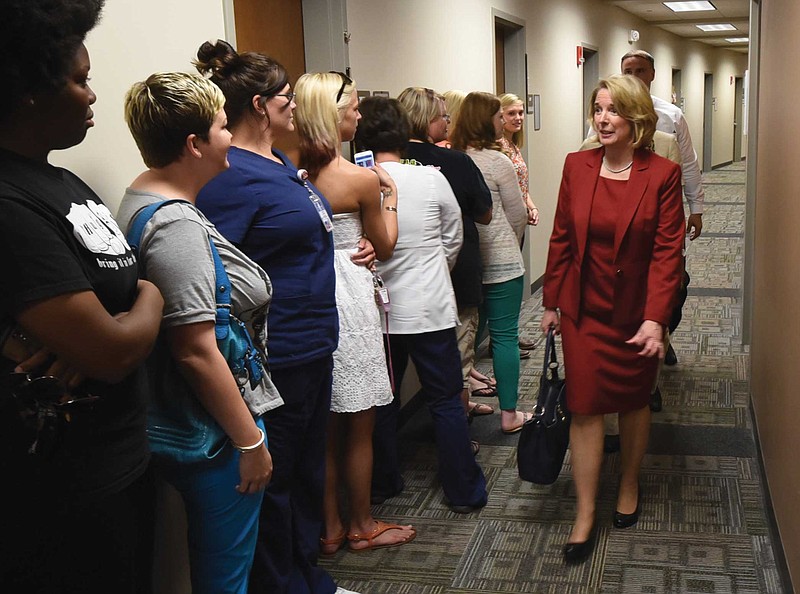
429 238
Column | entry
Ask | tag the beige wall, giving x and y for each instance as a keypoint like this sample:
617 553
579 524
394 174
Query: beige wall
776 301
133 40
137 38
449 44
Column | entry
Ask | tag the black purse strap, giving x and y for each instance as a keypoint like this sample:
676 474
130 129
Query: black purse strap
549 408
550 364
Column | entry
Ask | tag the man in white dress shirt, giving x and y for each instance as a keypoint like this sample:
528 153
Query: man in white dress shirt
670 120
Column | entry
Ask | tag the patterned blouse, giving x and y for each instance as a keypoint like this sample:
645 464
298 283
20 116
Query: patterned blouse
513 153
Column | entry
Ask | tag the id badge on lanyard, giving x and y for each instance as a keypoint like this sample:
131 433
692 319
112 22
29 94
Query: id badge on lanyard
302 176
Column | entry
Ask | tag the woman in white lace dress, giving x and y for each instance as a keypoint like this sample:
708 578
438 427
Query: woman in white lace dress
327 115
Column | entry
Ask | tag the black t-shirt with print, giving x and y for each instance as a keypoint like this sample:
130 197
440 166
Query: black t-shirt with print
475 200
57 237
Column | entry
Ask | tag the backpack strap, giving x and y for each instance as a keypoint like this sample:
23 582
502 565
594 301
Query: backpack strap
222 284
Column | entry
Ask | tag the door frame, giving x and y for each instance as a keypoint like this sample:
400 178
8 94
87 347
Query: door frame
516 81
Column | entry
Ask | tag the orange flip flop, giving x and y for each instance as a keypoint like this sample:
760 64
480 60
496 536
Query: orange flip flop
329 546
380 528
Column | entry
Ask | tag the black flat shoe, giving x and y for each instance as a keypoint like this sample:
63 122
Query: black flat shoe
576 552
655 401
611 443
627 520
465 509
670 358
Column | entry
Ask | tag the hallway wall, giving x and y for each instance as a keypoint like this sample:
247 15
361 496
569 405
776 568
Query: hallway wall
133 40
404 43
776 307
450 44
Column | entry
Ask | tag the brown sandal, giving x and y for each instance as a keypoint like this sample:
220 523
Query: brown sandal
380 528
479 409
329 546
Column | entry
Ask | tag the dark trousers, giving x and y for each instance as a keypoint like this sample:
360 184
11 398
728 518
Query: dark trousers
51 545
291 513
683 292
438 364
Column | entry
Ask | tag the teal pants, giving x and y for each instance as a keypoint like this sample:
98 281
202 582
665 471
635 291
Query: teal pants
500 309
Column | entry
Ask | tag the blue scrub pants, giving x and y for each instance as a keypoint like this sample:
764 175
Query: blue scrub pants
223 523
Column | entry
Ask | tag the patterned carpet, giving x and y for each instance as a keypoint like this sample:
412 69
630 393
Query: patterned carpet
702 528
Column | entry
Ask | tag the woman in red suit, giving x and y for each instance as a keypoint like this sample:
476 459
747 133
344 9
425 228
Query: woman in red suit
613 269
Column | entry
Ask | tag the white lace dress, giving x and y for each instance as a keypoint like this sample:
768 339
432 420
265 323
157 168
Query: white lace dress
360 378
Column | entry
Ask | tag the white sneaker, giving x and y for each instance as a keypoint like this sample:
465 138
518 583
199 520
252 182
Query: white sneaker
340 590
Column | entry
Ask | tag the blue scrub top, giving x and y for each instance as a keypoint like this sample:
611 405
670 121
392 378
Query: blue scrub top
264 209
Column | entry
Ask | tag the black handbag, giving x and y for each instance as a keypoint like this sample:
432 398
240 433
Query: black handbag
544 438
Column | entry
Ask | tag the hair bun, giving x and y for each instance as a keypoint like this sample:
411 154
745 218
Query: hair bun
216 58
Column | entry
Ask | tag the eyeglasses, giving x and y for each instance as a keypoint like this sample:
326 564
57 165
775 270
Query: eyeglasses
346 80
269 95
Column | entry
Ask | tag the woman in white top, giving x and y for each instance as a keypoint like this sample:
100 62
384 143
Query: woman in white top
327 115
479 125
421 322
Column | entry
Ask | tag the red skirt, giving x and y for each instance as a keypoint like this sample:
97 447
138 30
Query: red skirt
604 375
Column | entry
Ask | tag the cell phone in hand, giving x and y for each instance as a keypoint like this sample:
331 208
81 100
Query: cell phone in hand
364 159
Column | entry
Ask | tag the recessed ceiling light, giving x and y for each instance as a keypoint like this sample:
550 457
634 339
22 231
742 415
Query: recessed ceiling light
737 39
720 27
689 6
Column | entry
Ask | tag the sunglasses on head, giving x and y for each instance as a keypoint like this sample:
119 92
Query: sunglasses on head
346 80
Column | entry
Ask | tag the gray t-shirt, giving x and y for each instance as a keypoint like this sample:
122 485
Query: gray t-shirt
175 256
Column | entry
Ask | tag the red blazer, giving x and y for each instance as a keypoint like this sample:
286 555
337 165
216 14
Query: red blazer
648 241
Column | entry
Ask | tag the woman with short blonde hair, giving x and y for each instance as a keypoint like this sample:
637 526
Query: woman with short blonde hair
424 107
452 105
475 201
631 104
180 127
613 270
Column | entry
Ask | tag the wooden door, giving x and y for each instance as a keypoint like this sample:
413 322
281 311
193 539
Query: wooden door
275 28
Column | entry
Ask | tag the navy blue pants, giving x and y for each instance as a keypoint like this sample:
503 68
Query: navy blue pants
291 513
683 292
438 364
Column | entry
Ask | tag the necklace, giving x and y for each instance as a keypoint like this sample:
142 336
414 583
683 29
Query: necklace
628 166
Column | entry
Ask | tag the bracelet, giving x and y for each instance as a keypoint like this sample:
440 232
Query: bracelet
255 446
391 208
387 192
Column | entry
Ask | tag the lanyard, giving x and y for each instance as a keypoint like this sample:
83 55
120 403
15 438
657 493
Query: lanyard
302 177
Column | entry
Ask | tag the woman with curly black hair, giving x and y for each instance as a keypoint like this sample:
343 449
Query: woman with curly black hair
78 509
